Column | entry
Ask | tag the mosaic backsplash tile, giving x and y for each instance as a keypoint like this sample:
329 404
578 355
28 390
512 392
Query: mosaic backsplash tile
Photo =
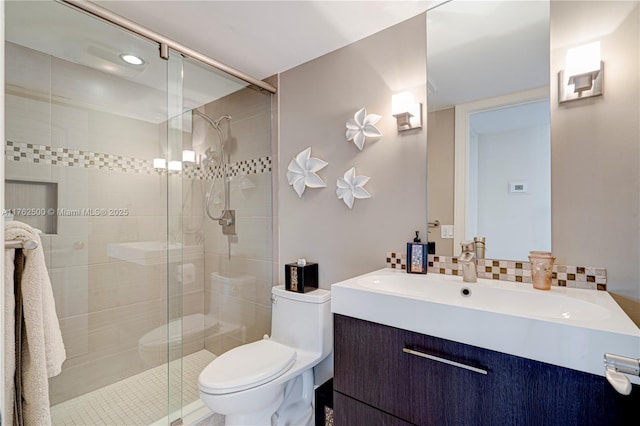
509 270
65 157
397 260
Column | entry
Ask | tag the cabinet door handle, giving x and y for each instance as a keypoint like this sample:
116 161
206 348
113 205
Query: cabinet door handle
445 361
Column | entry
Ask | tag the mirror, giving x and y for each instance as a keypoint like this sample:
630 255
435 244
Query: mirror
489 160
595 142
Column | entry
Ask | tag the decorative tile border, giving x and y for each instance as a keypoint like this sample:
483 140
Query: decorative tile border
44 154
397 260
515 271
65 157
244 167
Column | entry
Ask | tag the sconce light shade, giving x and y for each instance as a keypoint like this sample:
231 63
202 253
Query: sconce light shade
407 111
583 75
188 156
159 163
583 59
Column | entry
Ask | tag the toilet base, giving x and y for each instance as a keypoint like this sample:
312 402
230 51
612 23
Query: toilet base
289 403
297 407
255 418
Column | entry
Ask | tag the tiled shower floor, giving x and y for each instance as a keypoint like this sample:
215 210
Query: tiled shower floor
135 401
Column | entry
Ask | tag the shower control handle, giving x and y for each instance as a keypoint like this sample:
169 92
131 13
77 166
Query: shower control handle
228 222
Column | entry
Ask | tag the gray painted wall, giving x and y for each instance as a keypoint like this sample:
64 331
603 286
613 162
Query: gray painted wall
316 99
595 155
595 151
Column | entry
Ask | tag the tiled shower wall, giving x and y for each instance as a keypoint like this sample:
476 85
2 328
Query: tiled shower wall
101 160
105 305
239 268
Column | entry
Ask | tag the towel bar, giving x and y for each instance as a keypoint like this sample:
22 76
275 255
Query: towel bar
28 244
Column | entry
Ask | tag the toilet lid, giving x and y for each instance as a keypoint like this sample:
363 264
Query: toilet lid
246 366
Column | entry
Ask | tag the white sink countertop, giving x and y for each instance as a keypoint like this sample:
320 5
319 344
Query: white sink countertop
568 327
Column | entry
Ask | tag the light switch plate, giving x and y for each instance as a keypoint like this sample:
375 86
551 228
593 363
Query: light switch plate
446 231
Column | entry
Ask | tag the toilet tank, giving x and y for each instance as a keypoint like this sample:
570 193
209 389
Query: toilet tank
302 320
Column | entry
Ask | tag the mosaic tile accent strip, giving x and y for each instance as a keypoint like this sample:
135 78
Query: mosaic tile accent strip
510 270
443 265
65 157
44 154
253 166
505 270
244 167
516 271
397 260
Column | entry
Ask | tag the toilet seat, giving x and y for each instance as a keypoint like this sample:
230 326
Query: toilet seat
246 366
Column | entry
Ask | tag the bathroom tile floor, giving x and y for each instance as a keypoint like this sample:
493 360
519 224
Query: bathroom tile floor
135 401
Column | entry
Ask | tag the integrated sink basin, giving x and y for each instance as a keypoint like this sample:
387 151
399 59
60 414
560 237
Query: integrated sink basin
573 305
569 327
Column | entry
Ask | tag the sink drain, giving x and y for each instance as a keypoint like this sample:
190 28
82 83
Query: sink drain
465 291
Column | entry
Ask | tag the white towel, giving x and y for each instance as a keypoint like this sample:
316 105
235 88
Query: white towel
43 348
9 338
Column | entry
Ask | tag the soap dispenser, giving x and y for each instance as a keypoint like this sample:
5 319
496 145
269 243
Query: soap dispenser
417 256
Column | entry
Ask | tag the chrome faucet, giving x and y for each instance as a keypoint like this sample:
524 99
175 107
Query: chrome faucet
468 261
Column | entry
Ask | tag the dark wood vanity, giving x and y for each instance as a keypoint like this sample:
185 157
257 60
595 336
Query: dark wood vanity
382 377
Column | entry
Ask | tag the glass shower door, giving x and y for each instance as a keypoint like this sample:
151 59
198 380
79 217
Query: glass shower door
174 129
148 290
83 128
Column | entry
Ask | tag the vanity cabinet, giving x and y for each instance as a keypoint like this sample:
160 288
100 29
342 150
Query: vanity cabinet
388 376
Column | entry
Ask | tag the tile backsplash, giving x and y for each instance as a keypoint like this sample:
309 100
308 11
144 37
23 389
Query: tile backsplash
594 278
397 260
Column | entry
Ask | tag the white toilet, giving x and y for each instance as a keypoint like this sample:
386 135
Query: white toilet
270 382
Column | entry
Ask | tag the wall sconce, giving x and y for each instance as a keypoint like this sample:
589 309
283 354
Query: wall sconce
188 156
407 111
583 75
175 165
159 163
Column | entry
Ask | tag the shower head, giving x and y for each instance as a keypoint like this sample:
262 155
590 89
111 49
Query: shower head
214 123
217 159
223 117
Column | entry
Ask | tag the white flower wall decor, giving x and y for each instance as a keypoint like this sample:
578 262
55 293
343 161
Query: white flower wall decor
302 172
351 186
361 126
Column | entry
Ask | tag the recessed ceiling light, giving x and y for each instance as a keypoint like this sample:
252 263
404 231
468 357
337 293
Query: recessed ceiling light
131 59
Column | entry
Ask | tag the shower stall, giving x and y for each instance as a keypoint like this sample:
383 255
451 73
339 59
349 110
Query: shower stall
122 166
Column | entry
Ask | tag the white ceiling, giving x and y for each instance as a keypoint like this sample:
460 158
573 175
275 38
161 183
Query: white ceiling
262 38
476 49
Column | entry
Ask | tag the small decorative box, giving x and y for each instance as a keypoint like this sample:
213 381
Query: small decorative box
301 277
